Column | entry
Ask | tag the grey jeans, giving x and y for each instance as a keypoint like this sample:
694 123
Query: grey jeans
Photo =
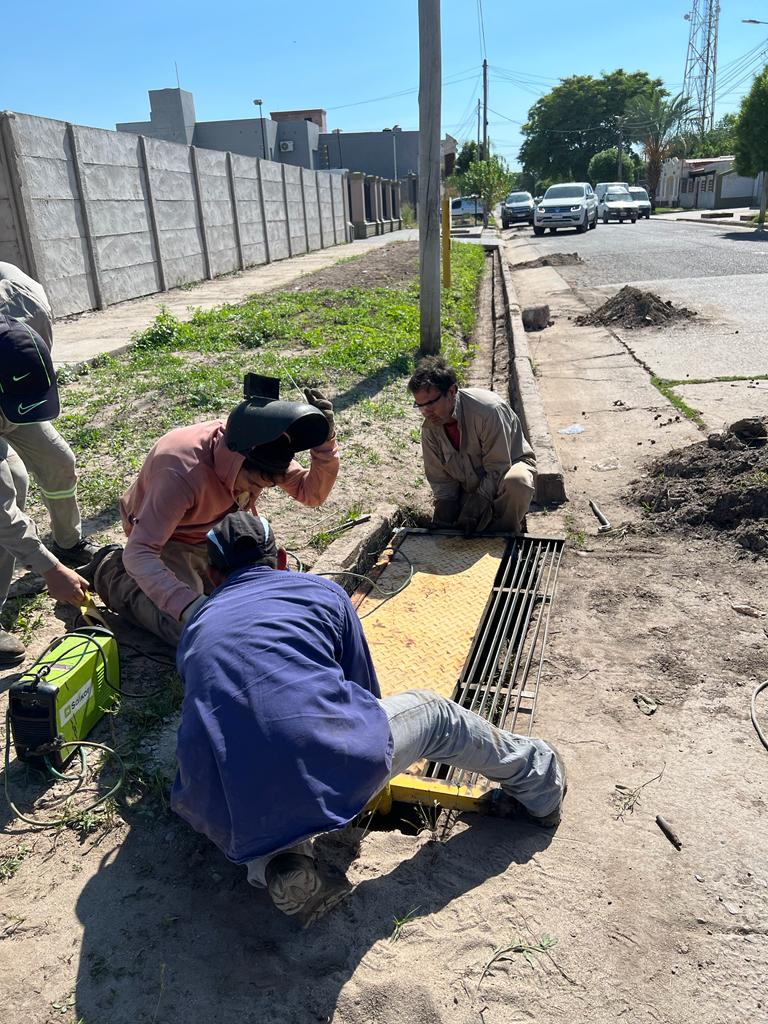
425 725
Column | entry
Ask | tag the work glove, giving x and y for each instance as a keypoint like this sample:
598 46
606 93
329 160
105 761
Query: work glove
445 513
190 610
476 513
318 399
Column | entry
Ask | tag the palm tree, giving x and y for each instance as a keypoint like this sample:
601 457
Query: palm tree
654 121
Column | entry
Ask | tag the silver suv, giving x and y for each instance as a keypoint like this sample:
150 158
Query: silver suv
571 205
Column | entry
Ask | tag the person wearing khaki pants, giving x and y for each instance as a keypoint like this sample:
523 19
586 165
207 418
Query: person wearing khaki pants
29 399
477 460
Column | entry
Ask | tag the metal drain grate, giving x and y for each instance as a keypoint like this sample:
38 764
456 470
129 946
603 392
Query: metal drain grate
501 675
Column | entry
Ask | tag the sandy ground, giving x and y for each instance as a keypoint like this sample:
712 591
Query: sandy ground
146 922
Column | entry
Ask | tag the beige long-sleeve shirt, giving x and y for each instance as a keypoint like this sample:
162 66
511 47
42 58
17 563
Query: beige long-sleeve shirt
491 440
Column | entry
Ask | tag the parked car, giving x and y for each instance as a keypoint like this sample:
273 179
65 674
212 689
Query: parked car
602 187
516 208
617 204
641 199
467 206
571 205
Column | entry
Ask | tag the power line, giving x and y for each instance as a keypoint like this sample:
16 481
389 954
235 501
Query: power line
452 80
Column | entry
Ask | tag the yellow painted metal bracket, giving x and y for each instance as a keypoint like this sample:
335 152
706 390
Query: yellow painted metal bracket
416 789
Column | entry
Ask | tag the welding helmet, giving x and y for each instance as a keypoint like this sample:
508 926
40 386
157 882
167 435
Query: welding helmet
262 419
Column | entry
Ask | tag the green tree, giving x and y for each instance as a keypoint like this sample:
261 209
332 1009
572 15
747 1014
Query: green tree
751 136
654 120
490 179
576 119
718 141
602 166
467 155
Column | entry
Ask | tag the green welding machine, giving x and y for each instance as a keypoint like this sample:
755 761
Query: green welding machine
62 696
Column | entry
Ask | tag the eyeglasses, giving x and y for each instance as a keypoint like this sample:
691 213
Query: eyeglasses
425 405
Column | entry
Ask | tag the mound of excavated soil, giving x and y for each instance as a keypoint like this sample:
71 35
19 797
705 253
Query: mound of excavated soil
632 308
722 482
555 259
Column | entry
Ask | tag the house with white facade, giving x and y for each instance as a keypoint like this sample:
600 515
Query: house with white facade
706 183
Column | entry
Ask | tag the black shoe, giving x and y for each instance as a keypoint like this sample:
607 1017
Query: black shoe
12 651
88 572
552 820
76 556
298 889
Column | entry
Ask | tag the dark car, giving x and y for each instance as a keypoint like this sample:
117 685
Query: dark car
517 208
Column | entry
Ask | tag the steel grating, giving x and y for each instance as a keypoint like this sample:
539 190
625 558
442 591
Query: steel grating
420 638
489 601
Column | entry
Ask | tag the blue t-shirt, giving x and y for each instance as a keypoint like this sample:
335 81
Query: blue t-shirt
281 734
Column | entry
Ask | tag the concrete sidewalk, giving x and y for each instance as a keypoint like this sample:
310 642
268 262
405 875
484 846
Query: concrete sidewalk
110 330
731 217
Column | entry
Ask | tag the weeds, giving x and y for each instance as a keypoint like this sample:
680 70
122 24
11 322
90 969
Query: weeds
401 922
577 538
519 948
11 864
666 387
627 798
23 615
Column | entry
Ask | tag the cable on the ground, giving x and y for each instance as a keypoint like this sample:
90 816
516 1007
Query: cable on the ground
70 743
753 713
372 582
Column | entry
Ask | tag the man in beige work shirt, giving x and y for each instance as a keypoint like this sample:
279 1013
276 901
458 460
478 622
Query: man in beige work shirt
480 467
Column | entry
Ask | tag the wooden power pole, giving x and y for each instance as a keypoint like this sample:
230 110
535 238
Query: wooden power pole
485 111
429 175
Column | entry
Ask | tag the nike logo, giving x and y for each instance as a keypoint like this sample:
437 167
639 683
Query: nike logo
24 409
22 376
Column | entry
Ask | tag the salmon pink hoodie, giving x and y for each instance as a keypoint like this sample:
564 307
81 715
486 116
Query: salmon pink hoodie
185 487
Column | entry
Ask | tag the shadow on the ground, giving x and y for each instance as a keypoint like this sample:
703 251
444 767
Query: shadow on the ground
746 236
173 932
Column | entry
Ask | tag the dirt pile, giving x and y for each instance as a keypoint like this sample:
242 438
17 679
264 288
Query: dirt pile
555 259
632 308
721 482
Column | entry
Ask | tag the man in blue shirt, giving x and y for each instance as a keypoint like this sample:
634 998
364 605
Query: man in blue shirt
283 733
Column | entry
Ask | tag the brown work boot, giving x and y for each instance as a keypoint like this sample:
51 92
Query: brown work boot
12 650
297 888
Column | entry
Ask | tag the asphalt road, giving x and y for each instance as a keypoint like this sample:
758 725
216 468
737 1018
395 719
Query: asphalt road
653 250
721 272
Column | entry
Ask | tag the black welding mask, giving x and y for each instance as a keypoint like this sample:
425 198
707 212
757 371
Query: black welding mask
263 420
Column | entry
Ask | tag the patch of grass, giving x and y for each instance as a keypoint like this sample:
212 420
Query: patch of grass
666 388
10 865
668 209
573 534
407 215
520 948
183 371
23 615
757 479
401 922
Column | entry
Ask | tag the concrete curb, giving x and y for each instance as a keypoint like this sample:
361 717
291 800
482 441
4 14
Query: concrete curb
524 389
715 223
359 547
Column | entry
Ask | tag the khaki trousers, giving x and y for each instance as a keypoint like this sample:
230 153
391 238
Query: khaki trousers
122 594
39 449
510 504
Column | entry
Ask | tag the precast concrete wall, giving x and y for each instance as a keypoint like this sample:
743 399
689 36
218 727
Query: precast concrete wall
99 216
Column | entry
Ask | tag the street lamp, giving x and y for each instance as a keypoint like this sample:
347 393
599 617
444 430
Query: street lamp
753 21
258 103
394 129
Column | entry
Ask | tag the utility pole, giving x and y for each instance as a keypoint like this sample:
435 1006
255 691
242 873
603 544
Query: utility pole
485 111
478 128
619 146
430 73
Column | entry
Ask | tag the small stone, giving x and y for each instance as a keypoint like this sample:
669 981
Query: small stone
535 318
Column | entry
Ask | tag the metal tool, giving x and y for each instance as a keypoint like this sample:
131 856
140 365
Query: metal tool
604 526
669 832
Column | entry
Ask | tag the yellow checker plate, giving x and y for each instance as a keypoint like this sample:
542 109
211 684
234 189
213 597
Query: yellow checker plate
420 638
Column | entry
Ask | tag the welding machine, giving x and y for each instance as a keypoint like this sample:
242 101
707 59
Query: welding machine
63 695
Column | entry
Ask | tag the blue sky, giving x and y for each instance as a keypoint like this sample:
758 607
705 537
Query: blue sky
93 63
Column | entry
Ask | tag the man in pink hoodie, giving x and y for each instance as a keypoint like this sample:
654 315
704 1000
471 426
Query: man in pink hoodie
191 479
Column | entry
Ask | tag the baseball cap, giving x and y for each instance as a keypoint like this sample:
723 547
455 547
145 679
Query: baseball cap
28 389
239 540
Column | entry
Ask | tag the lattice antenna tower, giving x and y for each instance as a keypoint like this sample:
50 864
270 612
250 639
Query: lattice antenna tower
700 79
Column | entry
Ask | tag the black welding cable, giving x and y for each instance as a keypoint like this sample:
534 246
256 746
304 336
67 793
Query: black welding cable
360 576
753 713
